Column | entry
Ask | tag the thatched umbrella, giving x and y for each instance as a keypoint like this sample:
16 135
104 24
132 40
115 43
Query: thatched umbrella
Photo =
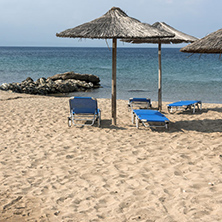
211 43
115 24
179 37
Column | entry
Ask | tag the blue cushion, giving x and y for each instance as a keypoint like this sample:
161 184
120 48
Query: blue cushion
150 115
185 103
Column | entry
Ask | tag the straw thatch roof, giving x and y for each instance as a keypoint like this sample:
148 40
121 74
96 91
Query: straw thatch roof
211 43
179 37
114 24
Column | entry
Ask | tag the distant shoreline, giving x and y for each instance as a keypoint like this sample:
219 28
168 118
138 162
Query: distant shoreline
132 47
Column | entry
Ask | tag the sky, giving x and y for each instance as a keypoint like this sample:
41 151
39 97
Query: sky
36 22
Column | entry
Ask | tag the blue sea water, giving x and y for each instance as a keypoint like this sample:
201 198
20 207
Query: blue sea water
184 77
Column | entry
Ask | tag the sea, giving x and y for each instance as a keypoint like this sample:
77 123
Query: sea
184 76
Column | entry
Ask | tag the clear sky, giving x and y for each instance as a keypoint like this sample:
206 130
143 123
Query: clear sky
35 22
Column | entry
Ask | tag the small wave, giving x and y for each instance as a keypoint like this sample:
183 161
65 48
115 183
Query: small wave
138 90
101 68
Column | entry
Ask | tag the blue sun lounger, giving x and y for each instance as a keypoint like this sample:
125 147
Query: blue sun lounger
186 104
83 109
141 103
150 118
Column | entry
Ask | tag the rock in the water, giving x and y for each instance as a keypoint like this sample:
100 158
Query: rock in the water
59 83
29 79
4 86
71 75
41 81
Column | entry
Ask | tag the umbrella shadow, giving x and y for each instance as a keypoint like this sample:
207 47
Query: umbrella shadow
205 125
107 124
216 109
198 112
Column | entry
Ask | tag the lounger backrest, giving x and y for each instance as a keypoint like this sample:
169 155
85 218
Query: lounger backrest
139 100
83 105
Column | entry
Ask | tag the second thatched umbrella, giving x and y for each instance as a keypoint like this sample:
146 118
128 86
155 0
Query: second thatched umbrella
211 43
115 24
179 37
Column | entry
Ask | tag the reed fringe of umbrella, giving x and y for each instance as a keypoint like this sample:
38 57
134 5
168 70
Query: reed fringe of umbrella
179 37
211 43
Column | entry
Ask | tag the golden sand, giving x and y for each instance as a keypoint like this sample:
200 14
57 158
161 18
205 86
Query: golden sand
50 172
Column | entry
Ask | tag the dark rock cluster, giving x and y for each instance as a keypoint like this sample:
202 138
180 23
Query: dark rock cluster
60 83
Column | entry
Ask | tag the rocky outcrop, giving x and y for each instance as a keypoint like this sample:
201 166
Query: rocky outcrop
59 83
71 75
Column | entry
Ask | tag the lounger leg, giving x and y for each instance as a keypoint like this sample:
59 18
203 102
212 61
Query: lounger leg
137 122
199 106
169 109
129 107
132 117
99 119
69 121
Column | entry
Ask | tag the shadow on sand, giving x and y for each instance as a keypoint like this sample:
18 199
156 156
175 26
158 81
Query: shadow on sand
205 125
107 123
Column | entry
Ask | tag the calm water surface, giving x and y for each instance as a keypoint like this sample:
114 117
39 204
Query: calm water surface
184 77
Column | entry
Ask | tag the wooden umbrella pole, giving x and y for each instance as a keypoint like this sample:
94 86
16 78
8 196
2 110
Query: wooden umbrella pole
114 81
159 79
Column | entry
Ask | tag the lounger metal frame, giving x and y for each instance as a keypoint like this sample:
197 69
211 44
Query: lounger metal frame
83 109
185 105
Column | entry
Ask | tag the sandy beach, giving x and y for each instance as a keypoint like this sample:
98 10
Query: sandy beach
50 172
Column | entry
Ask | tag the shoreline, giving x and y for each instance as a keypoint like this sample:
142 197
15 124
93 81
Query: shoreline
50 172
69 95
